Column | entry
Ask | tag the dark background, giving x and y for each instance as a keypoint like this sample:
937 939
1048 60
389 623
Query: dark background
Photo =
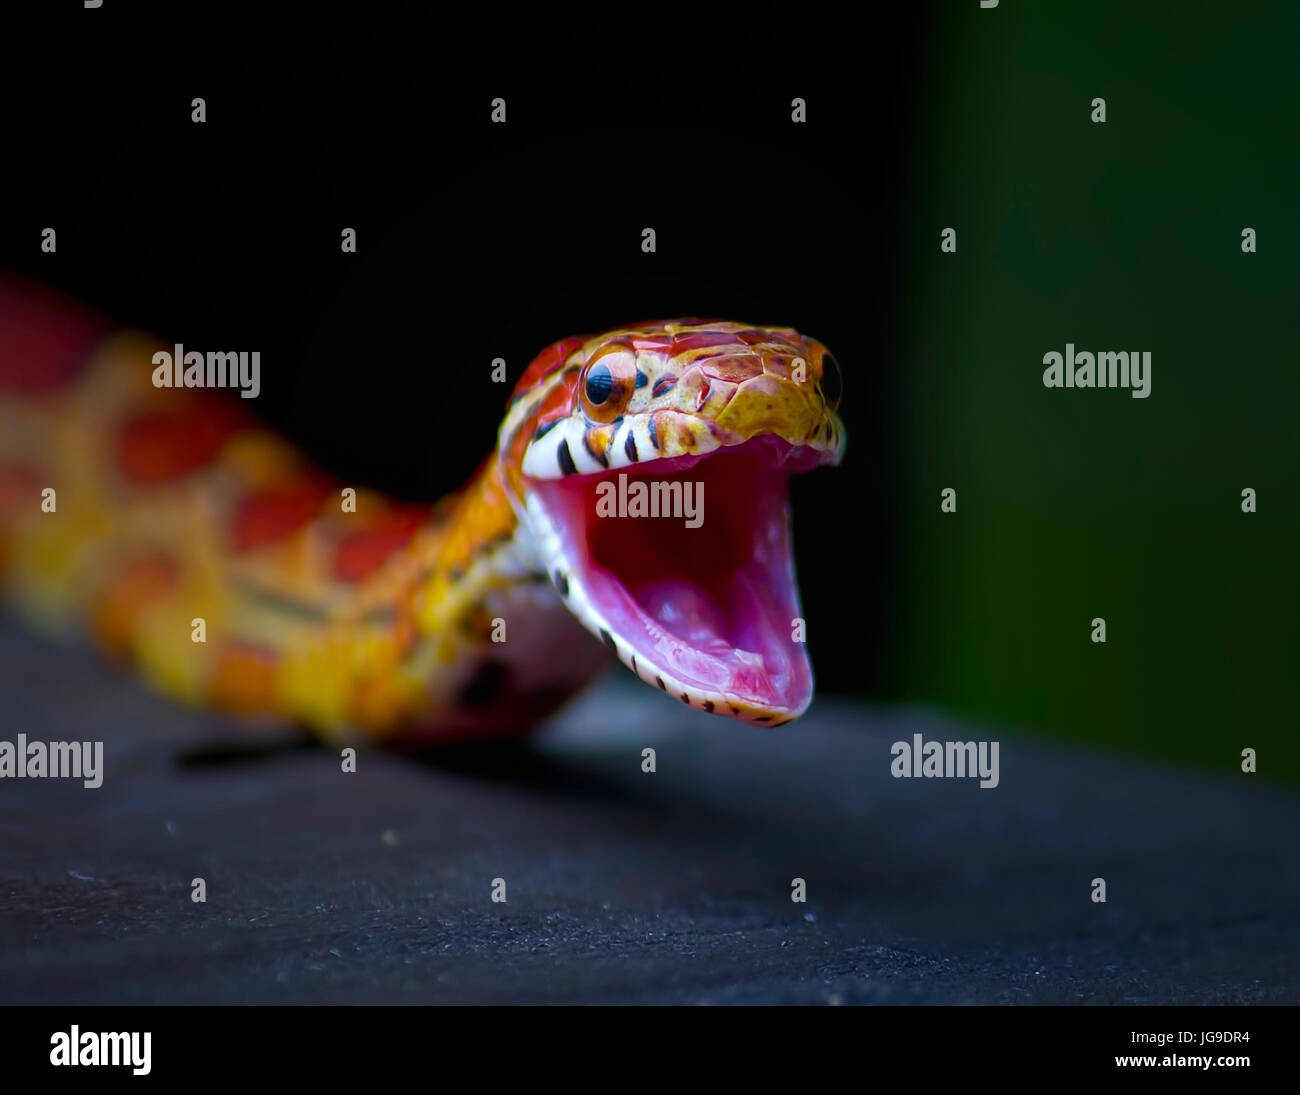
479 241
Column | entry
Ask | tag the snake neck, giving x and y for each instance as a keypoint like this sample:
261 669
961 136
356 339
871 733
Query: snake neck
208 552
494 646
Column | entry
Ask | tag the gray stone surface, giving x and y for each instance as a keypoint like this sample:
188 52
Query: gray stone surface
623 886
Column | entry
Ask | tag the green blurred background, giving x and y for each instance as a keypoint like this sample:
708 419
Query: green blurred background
1081 503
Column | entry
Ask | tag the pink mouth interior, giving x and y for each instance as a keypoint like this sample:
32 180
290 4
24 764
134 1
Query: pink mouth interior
713 605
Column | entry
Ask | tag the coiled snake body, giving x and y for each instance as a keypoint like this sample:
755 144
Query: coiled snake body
134 512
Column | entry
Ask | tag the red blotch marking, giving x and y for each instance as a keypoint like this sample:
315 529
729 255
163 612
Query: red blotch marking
45 339
272 515
19 489
362 553
557 404
731 367
545 363
702 340
657 343
157 448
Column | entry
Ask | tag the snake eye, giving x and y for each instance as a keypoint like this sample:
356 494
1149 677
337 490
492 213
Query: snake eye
832 380
600 384
608 384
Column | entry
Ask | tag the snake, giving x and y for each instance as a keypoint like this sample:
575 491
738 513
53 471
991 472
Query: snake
195 545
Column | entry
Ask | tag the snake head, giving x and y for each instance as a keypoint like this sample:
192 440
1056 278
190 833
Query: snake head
651 466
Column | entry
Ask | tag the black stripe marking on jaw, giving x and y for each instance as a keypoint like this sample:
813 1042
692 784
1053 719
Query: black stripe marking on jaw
629 447
565 457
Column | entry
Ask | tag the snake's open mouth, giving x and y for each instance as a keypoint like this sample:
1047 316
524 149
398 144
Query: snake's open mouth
684 567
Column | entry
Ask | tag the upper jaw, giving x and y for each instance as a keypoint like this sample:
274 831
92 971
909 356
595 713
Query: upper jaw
764 406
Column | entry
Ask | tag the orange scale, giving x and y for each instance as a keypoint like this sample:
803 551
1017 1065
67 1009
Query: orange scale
154 449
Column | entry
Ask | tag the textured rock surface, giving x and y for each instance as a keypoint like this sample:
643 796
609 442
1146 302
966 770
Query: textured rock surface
623 886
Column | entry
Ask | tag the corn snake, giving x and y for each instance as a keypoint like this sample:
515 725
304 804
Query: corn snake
472 617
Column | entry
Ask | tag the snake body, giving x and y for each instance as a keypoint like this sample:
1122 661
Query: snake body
476 616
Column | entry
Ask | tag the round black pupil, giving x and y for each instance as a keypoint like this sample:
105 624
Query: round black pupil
832 381
600 382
